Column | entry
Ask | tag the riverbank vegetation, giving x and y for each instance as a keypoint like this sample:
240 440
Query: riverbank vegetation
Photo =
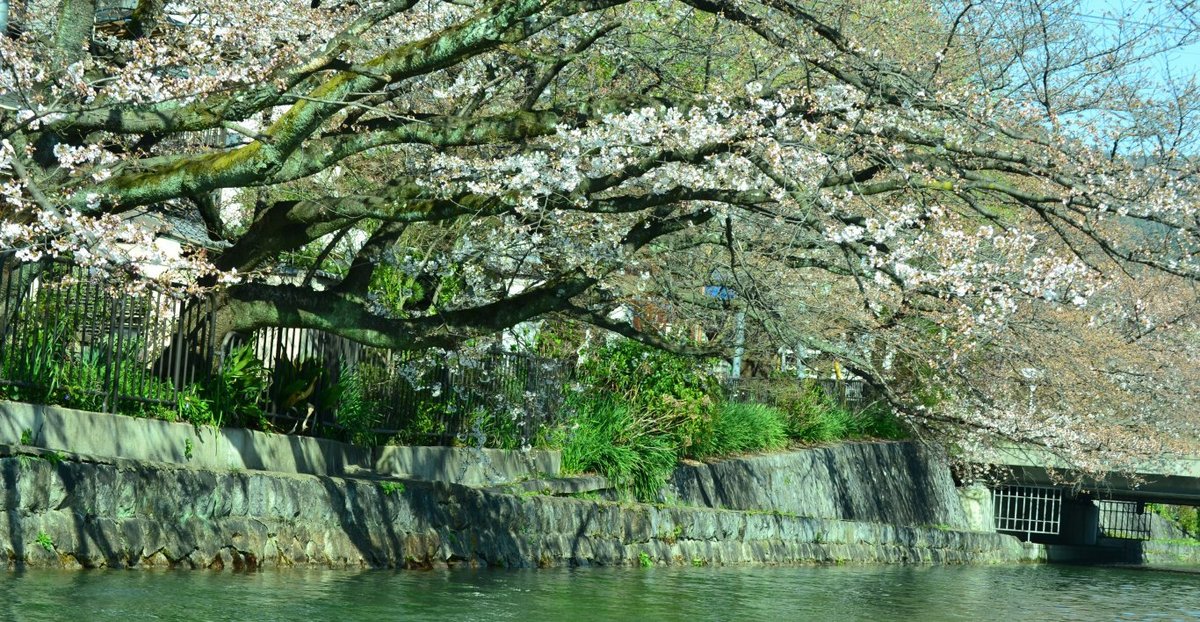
631 412
639 410
1184 517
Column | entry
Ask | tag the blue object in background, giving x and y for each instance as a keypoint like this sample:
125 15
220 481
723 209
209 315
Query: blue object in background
720 292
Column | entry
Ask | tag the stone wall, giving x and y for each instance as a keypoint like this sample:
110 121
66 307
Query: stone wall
1169 552
895 483
114 513
1169 545
153 440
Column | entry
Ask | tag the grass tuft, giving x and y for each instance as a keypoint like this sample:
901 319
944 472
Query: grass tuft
630 451
741 428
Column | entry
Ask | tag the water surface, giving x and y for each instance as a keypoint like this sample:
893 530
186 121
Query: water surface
805 593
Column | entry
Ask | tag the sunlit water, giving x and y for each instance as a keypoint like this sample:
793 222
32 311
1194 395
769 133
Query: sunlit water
810 593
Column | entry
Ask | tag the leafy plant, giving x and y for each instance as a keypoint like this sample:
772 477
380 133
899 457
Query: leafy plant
668 387
644 560
195 408
812 416
878 421
502 429
45 541
643 374
558 339
357 415
40 365
390 488
1184 516
740 428
394 288
233 393
632 451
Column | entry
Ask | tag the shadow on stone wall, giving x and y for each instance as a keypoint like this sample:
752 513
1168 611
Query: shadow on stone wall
122 514
896 483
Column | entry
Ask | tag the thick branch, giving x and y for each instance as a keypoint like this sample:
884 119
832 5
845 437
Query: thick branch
253 306
74 29
499 23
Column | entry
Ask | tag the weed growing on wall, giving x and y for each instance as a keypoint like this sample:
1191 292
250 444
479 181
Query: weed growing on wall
43 540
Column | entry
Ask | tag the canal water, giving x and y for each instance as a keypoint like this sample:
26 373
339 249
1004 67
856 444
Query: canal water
840 594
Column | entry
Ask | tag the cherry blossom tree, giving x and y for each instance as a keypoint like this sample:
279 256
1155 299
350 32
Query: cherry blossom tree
922 193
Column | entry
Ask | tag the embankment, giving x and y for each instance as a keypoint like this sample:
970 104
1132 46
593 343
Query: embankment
223 449
84 489
95 512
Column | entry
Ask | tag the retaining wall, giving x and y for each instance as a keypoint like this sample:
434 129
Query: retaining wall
106 513
222 449
895 483
1169 545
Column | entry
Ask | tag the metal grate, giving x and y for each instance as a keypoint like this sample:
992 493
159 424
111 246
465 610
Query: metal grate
1027 509
1123 519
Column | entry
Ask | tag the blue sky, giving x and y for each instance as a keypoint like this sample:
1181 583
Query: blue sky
1157 15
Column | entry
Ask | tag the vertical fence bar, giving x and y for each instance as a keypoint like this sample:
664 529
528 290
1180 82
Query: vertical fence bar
8 269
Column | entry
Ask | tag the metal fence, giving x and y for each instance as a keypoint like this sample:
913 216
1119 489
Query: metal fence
1027 509
1124 519
72 338
465 399
69 338
852 395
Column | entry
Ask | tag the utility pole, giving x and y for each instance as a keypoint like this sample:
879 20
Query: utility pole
739 343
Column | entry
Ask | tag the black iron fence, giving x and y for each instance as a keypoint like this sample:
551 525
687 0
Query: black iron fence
489 398
851 394
73 338
1124 519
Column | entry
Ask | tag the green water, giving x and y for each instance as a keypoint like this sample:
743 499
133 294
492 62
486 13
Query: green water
811 593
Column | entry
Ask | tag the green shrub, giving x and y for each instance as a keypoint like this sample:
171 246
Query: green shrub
1185 517
814 417
640 373
878 421
669 388
631 451
823 426
41 367
740 428
501 429
234 392
357 415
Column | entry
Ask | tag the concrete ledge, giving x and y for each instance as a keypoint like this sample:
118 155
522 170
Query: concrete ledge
153 440
558 486
464 465
223 449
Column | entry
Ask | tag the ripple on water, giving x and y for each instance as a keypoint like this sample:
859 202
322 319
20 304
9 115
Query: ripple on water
877 594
